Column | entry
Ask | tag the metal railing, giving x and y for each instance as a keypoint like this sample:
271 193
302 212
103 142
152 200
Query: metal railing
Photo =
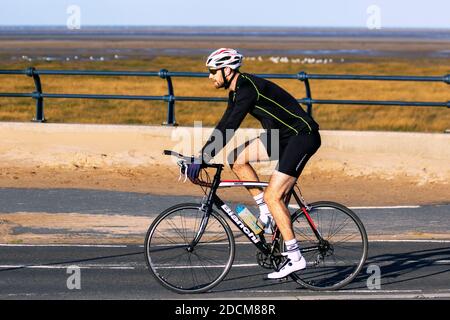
171 98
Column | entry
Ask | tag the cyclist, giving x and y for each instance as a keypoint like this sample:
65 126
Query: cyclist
299 139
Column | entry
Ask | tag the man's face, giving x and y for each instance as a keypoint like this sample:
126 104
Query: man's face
217 78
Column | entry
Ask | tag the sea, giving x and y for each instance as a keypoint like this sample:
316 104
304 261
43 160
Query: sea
436 40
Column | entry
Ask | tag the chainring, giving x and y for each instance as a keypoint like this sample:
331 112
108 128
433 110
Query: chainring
270 261
264 260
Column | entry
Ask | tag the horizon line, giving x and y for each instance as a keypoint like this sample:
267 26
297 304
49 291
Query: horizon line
223 26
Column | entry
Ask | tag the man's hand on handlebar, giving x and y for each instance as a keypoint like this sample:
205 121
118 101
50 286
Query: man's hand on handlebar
193 168
190 167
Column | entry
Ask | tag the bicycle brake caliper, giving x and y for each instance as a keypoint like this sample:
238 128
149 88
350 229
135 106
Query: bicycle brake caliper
204 204
303 201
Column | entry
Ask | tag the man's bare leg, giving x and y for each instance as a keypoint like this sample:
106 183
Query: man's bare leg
251 152
254 151
279 186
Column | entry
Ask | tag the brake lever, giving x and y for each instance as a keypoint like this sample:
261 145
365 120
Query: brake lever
182 165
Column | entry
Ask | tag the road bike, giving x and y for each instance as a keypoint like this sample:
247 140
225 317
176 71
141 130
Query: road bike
190 247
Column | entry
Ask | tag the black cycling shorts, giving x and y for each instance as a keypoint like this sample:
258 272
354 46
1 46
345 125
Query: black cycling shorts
293 152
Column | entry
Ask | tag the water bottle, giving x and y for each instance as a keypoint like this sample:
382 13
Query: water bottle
249 219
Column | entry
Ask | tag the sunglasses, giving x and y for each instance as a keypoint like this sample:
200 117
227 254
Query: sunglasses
212 71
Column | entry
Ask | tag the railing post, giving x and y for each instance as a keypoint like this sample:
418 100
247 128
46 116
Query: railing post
302 76
170 98
447 81
37 95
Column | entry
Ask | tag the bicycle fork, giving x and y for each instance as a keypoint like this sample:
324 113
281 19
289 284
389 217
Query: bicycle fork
206 209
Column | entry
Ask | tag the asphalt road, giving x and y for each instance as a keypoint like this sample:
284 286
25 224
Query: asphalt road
408 269
377 220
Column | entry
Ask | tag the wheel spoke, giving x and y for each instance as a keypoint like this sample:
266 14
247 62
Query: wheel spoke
338 259
175 265
338 230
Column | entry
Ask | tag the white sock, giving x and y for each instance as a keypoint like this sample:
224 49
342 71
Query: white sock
293 250
264 212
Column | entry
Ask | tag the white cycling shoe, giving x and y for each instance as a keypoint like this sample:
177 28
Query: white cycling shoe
287 268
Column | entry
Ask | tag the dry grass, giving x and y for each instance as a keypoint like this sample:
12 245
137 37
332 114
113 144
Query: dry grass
142 112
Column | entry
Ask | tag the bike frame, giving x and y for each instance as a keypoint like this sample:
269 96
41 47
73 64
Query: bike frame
258 240
269 255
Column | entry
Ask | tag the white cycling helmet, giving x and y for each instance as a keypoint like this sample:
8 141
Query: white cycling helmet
224 57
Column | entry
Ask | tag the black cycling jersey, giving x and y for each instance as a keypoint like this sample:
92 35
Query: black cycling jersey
267 102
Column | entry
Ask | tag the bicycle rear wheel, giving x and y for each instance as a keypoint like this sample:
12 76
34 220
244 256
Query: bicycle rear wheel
175 262
336 260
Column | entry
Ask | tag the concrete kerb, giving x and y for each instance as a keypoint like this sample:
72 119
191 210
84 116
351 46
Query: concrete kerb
423 156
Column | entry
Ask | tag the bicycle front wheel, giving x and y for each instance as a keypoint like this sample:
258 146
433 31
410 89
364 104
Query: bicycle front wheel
176 262
338 255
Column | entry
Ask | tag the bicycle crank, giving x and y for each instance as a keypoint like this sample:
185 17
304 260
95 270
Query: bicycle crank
264 260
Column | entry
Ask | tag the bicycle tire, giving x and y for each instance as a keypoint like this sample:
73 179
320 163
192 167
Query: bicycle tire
321 273
181 274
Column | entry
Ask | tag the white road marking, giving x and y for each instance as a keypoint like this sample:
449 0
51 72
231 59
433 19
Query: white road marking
241 265
336 291
237 243
214 266
64 245
406 240
386 207
22 266
431 261
114 267
375 295
133 267
295 206
348 294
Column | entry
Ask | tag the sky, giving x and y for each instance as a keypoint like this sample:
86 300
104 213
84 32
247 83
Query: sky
289 13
